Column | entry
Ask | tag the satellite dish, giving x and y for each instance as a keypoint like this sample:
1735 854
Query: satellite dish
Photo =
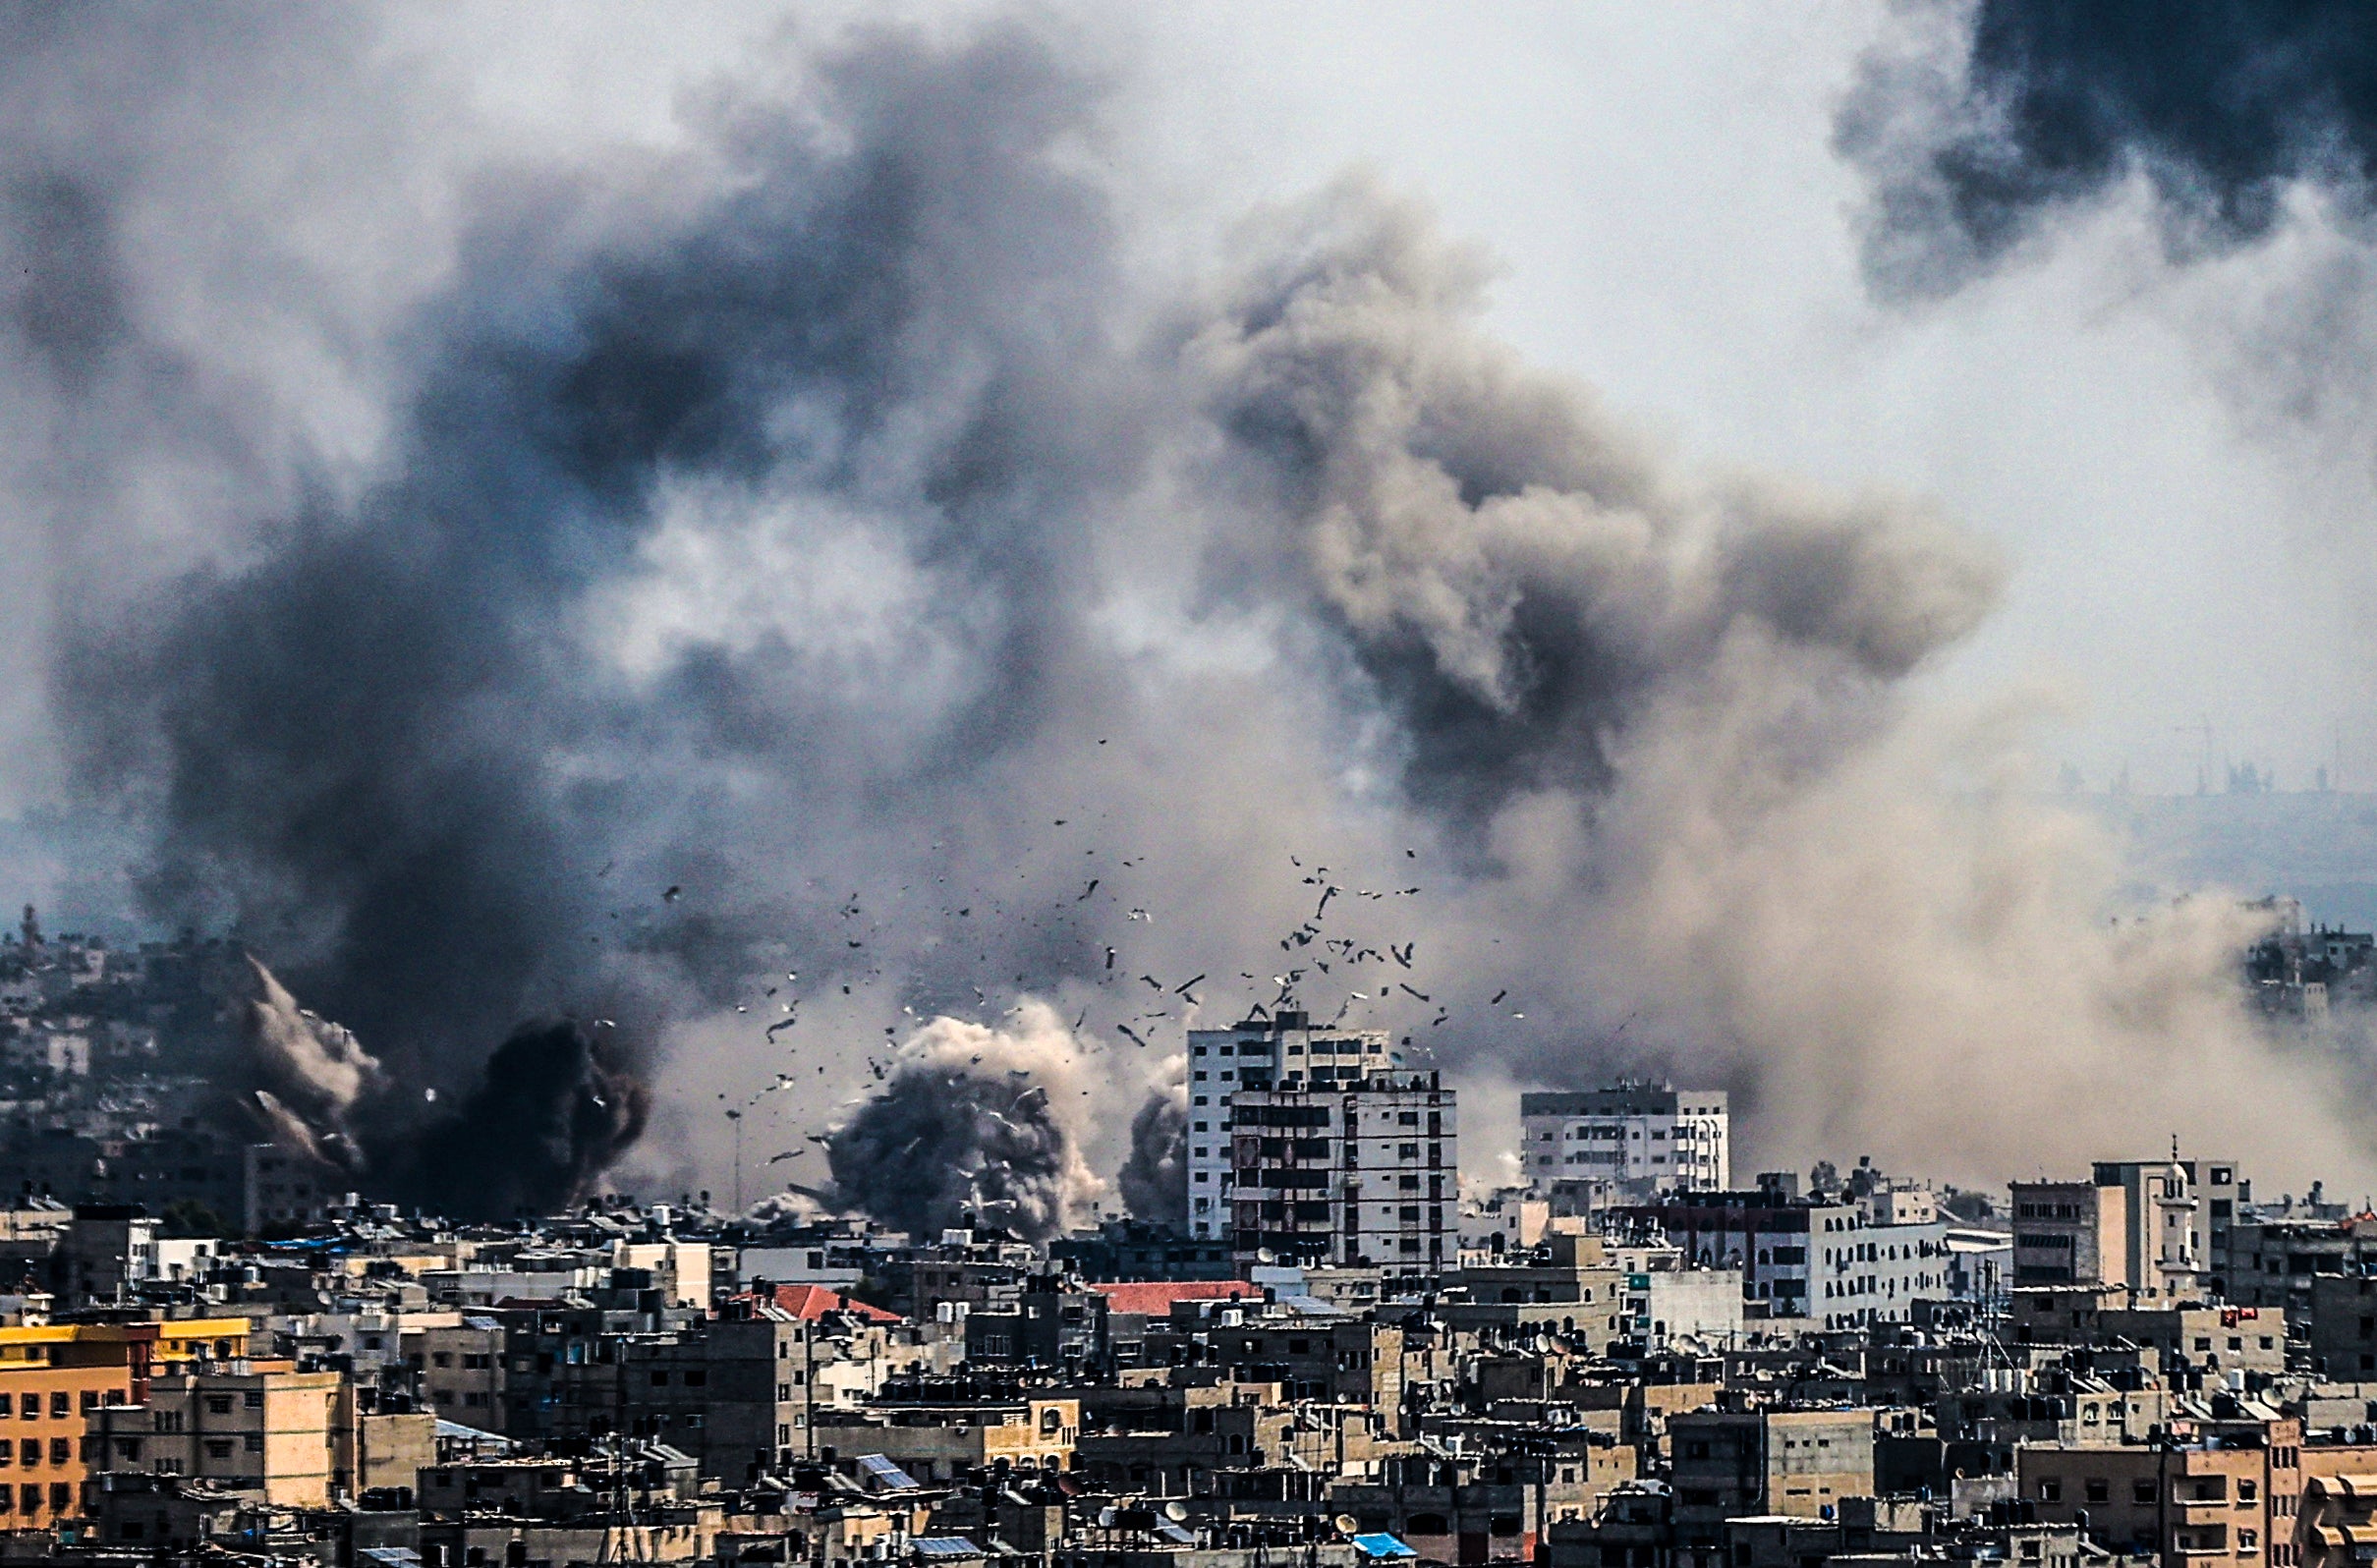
1106 1518
1347 1524
1175 1512
1263 1255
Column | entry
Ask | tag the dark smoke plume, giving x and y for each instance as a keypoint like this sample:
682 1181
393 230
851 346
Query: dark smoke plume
975 1124
1974 134
548 1113
1153 1181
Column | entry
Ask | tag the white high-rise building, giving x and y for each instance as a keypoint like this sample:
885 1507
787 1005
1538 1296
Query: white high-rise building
1283 1051
1640 1138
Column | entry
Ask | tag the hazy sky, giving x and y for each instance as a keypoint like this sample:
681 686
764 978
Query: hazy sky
1672 226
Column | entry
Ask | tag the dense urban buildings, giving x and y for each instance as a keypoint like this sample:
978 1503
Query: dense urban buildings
1349 1349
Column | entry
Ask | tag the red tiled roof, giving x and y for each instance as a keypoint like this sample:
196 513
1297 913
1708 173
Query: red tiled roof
1155 1297
809 1303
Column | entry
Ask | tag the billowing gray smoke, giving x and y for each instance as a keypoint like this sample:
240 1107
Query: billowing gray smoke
813 571
547 1114
1153 1181
2009 111
975 1125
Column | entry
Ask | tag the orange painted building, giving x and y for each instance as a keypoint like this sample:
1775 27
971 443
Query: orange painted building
54 1377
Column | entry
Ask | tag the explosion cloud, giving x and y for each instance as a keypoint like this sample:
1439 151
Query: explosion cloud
1153 1181
975 1124
549 1112
827 557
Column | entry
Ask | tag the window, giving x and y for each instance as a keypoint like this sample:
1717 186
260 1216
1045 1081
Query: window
2097 1489
61 1403
2141 1492
2051 1488
218 1448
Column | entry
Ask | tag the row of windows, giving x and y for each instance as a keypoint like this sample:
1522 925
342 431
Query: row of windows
2142 1489
29 1407
28 1498
27 1452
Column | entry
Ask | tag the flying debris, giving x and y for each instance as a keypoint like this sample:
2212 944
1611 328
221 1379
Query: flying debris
1422 995
1497 998
1087 891
672 894
984 1145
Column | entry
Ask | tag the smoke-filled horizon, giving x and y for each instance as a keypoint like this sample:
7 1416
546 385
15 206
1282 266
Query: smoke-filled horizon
823 591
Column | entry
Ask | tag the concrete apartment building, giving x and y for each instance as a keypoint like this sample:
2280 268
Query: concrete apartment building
54 1377
2162 1228
1864 1272
1643 1139
286 1438
2191 1339
933 1441
2343 1326
1817 1257
1799 1463
2225 1493
1358 1172
2273 1262
457 1362
1282 1051
1771 1237
2069 1233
